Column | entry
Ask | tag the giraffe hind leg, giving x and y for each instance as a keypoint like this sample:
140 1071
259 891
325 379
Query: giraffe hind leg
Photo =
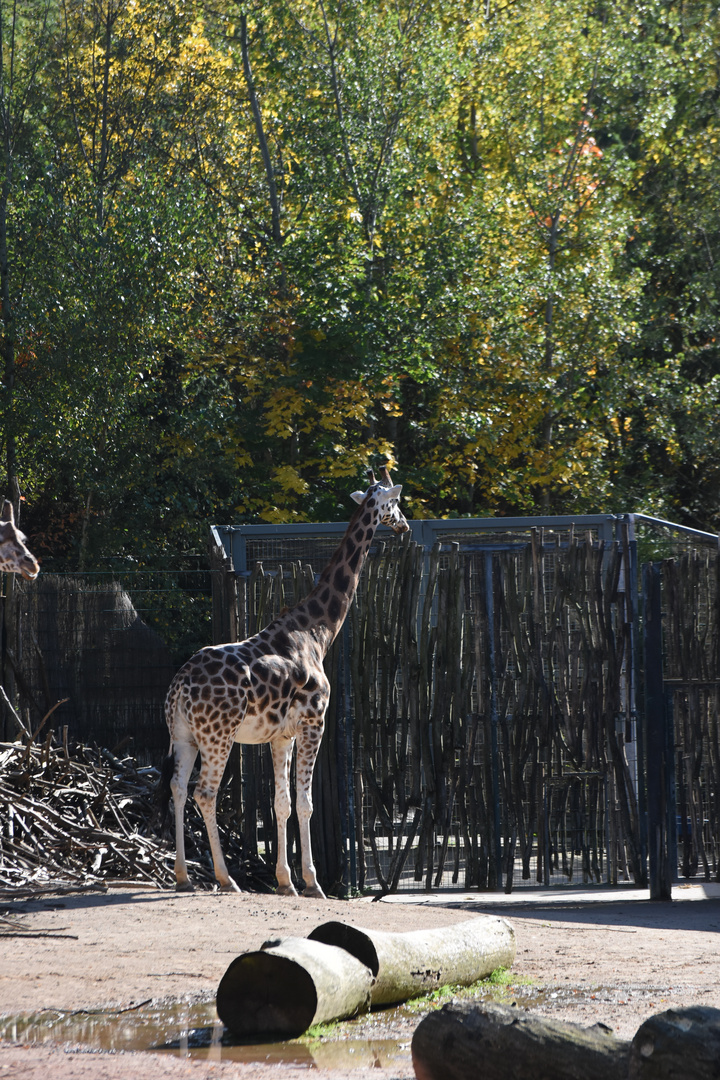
308 744
184 753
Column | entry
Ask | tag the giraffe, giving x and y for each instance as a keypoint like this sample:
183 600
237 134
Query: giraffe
270 688
15 557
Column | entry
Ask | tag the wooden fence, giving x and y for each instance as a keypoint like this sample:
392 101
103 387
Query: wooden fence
691 593
481 725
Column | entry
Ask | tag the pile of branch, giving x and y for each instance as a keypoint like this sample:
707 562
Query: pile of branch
79 817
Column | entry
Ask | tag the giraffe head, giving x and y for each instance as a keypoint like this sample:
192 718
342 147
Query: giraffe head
387 496
15 557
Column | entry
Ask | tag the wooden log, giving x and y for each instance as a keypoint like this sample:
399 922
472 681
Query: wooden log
407 965
466 1041
288 985
677 1043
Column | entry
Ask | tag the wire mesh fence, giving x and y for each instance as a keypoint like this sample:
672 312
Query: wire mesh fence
106 644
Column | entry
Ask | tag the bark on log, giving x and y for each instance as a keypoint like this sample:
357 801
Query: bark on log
676 1044
290 984
409 964
465 1041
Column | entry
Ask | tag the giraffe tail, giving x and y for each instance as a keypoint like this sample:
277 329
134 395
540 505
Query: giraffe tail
165 792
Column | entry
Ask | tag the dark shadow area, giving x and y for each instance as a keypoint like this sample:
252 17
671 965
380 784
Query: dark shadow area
691 915
84 901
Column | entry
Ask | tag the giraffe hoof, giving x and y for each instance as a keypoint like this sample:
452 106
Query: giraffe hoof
230 886
315 893
286 890
184 886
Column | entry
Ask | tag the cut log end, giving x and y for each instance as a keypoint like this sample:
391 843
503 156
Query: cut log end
289 985
264 995
357 942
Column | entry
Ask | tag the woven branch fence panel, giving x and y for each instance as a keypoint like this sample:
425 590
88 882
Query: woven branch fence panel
480 729
691 594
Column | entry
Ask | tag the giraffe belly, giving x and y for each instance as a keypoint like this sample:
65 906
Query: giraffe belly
255 731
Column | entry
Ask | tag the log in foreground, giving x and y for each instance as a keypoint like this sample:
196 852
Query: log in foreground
407 965
288 985
466 1041
678 1043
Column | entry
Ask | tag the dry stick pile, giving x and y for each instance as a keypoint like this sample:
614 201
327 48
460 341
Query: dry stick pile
76 818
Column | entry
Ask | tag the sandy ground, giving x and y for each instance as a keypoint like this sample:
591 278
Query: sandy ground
616 962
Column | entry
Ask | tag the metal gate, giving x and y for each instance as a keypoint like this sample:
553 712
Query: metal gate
493 716
682 661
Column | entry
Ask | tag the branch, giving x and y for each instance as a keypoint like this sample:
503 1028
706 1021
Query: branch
260 131
20 723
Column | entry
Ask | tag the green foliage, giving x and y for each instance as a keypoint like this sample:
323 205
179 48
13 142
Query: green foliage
251 252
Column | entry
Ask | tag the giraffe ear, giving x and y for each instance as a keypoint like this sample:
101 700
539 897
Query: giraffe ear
358 496
394 492
7 511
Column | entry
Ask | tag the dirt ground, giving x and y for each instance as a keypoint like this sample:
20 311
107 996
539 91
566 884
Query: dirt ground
616 962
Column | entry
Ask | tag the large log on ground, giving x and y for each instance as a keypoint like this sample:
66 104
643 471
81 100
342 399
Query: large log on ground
406 965
676 1044
287 985
466 1041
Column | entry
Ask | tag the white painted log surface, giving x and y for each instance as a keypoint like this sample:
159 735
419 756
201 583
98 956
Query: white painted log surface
406 965
288 985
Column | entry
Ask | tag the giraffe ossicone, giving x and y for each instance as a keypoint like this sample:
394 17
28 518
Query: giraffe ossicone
15 556
270 688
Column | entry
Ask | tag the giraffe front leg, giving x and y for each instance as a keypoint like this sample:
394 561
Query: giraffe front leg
281 750
309 736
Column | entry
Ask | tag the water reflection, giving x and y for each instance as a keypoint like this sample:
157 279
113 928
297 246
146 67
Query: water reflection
191 1028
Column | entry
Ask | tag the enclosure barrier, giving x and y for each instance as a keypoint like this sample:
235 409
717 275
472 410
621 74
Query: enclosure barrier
493 714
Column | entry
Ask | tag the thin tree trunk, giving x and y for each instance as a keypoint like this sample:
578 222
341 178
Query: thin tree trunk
260 132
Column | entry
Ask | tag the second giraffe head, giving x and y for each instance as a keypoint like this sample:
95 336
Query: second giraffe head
387 496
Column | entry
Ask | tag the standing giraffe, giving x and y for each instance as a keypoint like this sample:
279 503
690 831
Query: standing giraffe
15 557
270 688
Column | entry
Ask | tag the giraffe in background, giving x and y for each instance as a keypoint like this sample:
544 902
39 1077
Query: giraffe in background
270 688
15 556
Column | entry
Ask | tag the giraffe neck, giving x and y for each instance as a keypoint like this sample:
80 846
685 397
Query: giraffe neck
329 602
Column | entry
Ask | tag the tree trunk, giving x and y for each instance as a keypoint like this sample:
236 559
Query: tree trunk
410 964
463 1041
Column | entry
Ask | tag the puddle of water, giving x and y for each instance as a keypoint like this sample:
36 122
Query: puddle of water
192 1029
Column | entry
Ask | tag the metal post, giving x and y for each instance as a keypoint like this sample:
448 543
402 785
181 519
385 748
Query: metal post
495 874
346 769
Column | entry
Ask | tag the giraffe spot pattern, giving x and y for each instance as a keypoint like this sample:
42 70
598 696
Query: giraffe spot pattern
341 580
334 609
